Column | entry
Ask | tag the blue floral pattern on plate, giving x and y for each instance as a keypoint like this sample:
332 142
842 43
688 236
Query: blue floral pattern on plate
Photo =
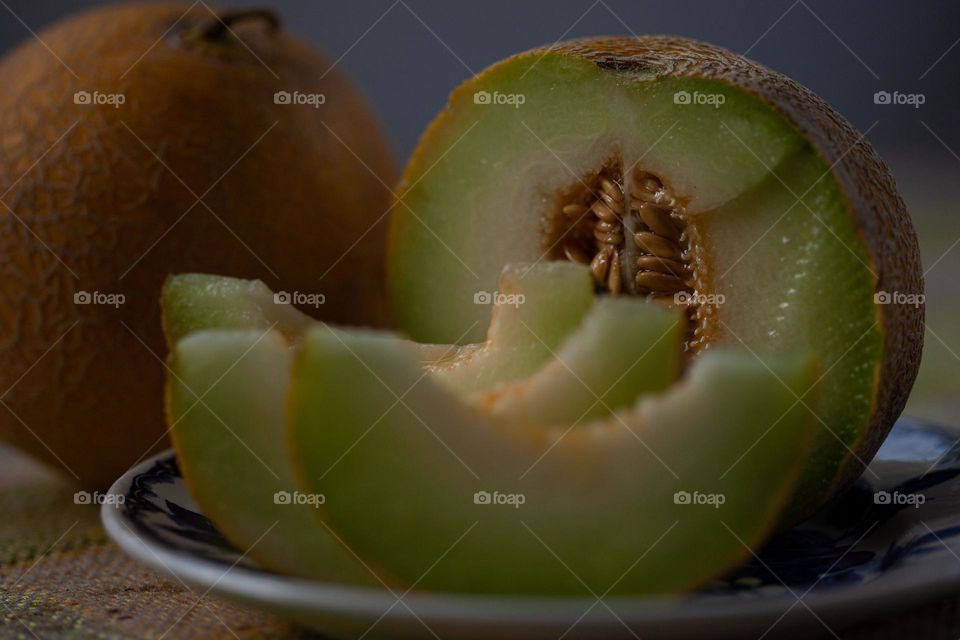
859 535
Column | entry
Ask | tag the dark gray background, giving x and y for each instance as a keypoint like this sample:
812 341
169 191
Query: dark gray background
408 54
407 67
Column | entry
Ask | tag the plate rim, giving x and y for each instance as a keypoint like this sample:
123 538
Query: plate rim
849 603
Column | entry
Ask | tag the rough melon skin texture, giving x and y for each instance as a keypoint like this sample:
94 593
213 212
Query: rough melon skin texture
599 510
796 276
104 204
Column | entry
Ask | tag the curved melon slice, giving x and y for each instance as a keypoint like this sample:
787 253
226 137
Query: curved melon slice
225 402
195 301
227 389
446 497
625 348
535 308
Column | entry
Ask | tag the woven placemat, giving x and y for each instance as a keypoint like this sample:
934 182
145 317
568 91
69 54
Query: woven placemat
61 577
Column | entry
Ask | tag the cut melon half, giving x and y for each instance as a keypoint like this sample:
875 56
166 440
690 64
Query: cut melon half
679 171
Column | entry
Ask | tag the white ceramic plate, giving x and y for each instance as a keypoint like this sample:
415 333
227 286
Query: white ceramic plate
857 558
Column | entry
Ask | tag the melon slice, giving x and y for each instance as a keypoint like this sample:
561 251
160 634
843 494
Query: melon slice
231 348
225 403
533 309
625 347
195 301
440 494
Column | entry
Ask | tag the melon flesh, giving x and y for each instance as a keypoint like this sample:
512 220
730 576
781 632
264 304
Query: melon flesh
538 306
805 286
225 401
195 301
232 345
486 205
626 347
796 276
409 483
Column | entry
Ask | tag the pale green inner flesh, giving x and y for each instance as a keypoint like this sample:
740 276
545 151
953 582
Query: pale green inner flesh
805 285
501 168
536 309
195 301
408 496
228 390
226 403
625 348
795 276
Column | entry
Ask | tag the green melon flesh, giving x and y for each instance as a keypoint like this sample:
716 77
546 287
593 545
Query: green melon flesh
796 276
195 301
231 349
401 480
226 399
626 347
501 167
807 287
538 307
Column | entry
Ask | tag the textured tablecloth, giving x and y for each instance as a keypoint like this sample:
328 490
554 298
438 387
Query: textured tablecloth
60 577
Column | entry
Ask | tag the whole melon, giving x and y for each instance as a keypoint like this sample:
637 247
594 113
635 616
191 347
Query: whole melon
142 140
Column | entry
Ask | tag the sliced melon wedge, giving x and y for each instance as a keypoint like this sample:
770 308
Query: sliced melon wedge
231 348
195 301
447 497
225 402
625 348
533 310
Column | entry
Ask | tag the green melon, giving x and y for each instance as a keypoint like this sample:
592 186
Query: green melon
675 167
